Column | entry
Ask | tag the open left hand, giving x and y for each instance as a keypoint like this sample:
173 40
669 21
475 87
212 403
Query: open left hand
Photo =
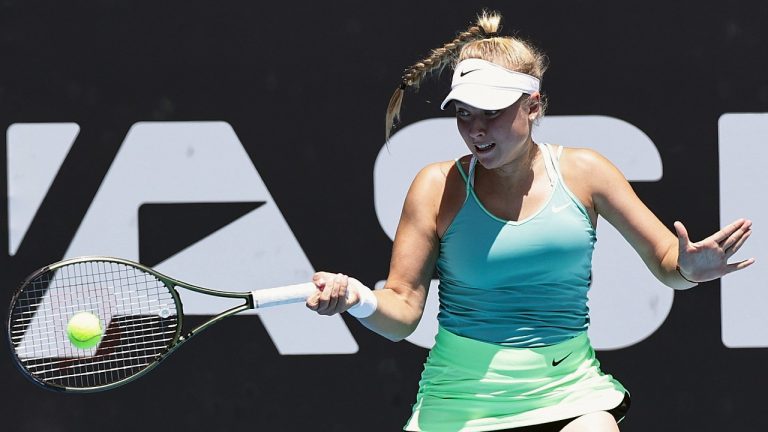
708 259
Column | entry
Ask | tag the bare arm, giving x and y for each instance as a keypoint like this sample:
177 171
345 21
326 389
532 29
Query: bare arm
401 302
662 251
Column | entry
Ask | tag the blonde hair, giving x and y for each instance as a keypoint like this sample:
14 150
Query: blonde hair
480 40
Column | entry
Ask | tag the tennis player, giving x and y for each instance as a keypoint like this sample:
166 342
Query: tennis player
511 231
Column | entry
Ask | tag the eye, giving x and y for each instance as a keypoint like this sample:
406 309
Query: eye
462 113
492 113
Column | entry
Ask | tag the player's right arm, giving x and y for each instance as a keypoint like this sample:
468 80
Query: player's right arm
415 250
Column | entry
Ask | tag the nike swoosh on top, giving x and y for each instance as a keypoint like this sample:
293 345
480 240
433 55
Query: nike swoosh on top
557 209
466 72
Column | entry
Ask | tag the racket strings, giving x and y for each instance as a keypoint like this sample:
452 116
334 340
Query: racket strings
30 314
51 344
19 327
136 309
54 366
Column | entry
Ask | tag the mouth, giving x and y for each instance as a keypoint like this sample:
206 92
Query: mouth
485 147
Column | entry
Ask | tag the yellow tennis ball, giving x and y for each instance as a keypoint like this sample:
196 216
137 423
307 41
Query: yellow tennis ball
84 330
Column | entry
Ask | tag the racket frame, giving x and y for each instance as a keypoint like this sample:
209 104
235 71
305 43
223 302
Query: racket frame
178 339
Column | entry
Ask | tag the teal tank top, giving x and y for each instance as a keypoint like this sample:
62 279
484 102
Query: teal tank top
517 283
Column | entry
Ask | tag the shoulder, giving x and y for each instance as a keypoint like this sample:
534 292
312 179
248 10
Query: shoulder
597 180
433 178
436 189
446 168
583 159
591 176
585 165
436 172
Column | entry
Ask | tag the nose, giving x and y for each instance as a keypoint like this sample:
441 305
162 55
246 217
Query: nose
477 128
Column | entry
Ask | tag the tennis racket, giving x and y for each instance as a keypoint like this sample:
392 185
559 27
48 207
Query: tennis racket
139 310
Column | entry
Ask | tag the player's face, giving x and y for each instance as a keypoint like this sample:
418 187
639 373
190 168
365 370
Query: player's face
499 137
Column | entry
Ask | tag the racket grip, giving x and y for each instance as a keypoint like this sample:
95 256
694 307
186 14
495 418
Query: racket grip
282 295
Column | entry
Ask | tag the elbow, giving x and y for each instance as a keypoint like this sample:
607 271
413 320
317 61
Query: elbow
400 316
405 335
401 333
395 338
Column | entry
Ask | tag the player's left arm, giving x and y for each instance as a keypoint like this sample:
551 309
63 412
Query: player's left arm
612 197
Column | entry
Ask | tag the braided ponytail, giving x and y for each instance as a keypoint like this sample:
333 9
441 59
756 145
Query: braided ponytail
436 61
480 40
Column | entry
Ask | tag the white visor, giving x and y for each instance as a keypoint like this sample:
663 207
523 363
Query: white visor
488 86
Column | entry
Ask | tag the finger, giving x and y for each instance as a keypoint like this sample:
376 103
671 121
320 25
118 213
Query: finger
733 238
329 279
740 230
730 268
343 290
727 230
333 300
341 295
732 249
682 235
323 299
321 279
330 295
313 301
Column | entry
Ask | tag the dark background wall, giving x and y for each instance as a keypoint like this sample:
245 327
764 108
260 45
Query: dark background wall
305 85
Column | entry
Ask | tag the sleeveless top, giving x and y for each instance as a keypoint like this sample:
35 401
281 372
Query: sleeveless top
517 283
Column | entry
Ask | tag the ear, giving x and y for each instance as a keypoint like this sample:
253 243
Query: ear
534 106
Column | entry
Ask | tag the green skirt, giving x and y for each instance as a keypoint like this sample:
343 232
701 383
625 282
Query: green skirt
468 385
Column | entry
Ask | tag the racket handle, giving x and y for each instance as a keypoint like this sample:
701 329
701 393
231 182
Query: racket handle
282 295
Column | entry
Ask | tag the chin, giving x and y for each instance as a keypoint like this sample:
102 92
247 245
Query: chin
487 161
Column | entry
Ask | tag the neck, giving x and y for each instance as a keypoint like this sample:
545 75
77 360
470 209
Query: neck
521 168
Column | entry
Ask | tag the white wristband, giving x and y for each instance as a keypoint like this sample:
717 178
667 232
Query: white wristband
367 304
